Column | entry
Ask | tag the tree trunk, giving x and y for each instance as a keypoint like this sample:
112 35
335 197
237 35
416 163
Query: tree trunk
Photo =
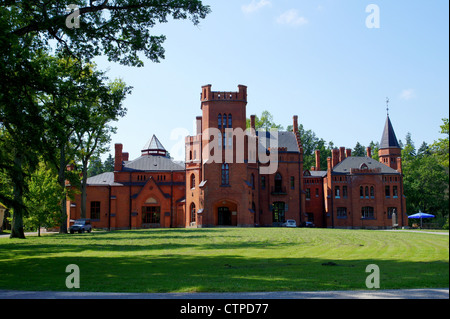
18 181
62 183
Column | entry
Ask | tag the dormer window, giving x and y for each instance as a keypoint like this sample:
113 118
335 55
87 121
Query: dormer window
364 166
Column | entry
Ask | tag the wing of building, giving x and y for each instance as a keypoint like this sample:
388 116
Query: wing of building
239 176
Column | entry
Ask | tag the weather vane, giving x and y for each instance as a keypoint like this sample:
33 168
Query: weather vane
387 105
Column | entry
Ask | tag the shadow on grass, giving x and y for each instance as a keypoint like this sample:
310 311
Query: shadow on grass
215 274
163 261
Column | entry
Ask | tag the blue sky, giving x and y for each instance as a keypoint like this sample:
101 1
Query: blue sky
316 59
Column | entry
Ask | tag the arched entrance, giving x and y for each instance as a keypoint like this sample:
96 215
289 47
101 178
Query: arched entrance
226 213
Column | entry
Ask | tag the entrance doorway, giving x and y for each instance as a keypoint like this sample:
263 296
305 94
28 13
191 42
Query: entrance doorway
278 213
224 216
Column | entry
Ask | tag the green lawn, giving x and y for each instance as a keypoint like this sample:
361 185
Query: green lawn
225 260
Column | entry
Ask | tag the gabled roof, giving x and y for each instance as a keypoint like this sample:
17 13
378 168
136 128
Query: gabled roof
389 140
356 162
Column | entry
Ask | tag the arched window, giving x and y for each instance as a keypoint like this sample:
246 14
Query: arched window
219 120
372 192
230 121
224 121
192 181
361 192
367 191
225 174
193 213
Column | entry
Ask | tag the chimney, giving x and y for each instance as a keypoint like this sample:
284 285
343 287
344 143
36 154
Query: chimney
125 157
329 164
199 125
399 164
341 154
317 160
118 157
369 152
253 122
295 124
348 152
335 156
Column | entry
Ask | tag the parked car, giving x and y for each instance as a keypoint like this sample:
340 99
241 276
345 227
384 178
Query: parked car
310 224
81 225
290 223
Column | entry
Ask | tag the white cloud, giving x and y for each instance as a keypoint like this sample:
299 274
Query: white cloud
255 6
407 94
291 17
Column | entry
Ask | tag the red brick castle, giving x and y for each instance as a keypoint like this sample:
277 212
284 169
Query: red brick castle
234 176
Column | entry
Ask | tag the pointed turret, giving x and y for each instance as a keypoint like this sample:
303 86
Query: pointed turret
389 151
389 140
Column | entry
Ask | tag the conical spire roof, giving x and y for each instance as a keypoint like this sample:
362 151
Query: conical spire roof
389 140
154 147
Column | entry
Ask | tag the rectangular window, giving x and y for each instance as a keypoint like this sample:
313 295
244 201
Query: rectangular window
317 192
387 191
395 191
292 182
308 193
367 212
342 212
225 175
337 192
344 191
95 210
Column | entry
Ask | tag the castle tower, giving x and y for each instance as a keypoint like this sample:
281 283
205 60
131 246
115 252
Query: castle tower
221 197
389 151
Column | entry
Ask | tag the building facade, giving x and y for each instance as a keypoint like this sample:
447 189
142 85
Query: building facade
237 176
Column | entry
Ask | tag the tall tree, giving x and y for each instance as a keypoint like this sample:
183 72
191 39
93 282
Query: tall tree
95 133
116 28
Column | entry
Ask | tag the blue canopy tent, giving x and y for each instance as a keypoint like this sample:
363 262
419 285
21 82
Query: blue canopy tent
421 216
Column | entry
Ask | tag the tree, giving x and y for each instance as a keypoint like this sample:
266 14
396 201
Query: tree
95 166
359 150
108 165
375 147
116 28
440 148
265 122
94 134
43 199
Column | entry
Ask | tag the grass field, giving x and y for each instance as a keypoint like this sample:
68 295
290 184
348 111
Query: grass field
226 260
